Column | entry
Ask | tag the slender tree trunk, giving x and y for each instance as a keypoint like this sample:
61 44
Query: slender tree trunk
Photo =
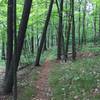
68 36
52 43
73 34
79 41
15 52
44 33
3 51
48 41
60 30
32 44
66 25
9 36
45 46
37 41
95 26
84 22
63 46
68 30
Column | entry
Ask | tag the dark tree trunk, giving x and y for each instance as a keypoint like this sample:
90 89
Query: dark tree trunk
35 44
48 41
15 52
79 25
73 34
52 38
37 41
60 30
32 44
62 45
45 45
84 22
68 30
66 25
44 33
20 40
9 36
68 36
3 51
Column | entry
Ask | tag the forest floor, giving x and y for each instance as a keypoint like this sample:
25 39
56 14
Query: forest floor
52 80
42 85
26 83
33 83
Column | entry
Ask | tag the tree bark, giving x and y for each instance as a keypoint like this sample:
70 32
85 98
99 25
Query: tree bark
15 52
68 36
9 36
73 34
60 30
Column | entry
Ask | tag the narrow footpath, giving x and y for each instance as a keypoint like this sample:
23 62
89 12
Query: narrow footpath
42 86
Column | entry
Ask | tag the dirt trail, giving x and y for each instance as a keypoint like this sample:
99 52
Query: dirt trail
42 86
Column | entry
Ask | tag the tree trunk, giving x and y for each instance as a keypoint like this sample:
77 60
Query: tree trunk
68 36
68 30
84 22
60 30
3 51
45 46
9 36
79 25
15 52
32 44
44 34
20 40
73 34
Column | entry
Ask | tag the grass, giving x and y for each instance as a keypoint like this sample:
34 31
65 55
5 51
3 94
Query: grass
91 48
76 80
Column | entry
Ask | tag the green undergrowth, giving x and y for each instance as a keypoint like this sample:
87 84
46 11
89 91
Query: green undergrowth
91 48
76 80
49 55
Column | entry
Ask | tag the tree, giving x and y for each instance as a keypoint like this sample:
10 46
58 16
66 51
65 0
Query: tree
9 36
9 80
3 51
95 26
68 36
84 22
43 38
15 51
79 42
73 33
60 29
68 30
